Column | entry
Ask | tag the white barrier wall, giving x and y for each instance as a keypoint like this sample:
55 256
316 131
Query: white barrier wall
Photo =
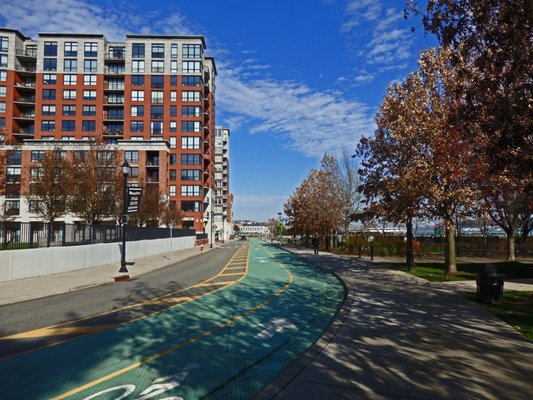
28 263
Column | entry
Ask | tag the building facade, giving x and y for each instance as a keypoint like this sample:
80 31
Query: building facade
151 98
223 199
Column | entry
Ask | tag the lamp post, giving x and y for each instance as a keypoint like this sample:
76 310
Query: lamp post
371 241
125 168
211 245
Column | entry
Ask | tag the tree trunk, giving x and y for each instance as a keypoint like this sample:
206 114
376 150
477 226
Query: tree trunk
409 260
511 254
451 265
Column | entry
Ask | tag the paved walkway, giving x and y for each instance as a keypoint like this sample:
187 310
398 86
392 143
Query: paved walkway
400 337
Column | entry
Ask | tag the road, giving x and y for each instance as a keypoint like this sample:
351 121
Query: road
225 332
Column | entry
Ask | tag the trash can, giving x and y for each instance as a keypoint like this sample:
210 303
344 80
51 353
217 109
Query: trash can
489 284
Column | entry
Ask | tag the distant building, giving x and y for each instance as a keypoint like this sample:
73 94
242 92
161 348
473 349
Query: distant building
253 230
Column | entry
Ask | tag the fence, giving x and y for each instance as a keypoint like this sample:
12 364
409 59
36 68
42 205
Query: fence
24 235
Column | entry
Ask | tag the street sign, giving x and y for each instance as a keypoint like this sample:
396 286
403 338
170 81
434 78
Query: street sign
134 199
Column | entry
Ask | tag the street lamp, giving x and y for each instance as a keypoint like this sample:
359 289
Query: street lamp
125 168
212 213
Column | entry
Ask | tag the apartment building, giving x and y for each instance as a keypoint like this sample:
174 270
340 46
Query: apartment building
151 98
223 198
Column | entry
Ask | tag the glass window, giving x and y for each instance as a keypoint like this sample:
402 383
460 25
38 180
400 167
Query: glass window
50 49
137 80
89 111
131 156
88 126
137 66
89 95
158 50
89 65
2 106
69 79
3 60
3 92
191 126
191 206
69 95
137 111
190 190
191 67
156 127
68 125
172 190
192 51
90 49
173 80
137 126
173 111
69 110
172 174
49 110
2 122
174 66
190 174
4 43
173 50
71 49
137 95
158 66
49 94
190 111
89 80
48 126
191 81
190 95
158 81
173 126
137 50
50 64
172 142
157 96
156 112
70 65
3 76
190 142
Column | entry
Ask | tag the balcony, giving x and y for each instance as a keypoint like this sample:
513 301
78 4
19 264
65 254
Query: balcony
25 100
109 132
114 101
118 88
29 132
108 116
29 85
115 71
26 115
26 68
152 162
115 56
26 53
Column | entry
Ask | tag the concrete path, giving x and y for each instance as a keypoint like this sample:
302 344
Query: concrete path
400 337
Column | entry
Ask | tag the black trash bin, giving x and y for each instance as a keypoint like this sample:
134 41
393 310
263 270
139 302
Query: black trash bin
489 284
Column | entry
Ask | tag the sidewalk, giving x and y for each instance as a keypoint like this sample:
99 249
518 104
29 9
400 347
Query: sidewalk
401 337
43 286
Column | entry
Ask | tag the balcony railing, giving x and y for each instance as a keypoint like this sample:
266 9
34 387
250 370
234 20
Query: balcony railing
28 99
29 115
25 84
113 132
24 132
115 56
26 68
26 52
114 100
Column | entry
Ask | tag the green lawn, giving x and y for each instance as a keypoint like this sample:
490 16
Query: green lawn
516 309
434 272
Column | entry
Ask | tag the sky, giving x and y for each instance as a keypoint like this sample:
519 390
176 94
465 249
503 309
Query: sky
296 78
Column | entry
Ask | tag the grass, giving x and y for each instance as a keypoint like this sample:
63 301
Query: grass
516 309
434 272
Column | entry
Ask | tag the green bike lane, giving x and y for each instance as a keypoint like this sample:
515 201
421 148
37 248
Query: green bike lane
226 345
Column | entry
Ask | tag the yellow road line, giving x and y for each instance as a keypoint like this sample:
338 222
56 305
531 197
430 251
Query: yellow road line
244 266
185 343
58 331
232 274
216 283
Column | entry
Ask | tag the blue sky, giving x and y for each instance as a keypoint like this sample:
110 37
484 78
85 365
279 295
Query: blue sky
296 78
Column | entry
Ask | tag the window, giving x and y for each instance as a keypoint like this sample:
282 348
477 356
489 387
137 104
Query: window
172 190
158 66
136 126
3 76
69 94
48 126
89 65
131 156
157 97
191 67
3 60
89 111
173 95
137 50
191 126
50 64
137 66
2 106
89 95
68 138
2 123
174 66
191 206
158 50
191 51
172 174
190 95
190 111
3 91
190 174
70 65
88 126
71 49
49 79
134 171
156 112
173 126
50 49
190 190
190 159
158 81
137 111
49 94
69 79
37 172
90 49
69 111
172 142
49 110
4 43
37 155
173 50
190 142
68 125
12 207
156 127
173 111
191 81
137 80
137 95
89 80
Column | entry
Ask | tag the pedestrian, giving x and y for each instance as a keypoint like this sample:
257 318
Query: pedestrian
314 242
